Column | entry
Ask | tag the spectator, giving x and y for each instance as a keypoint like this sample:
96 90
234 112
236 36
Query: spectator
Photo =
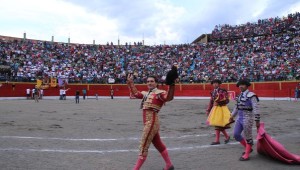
36 94
112 93
61 94
33 93
28 93
64 93
77 96
84 93
41 93
297 91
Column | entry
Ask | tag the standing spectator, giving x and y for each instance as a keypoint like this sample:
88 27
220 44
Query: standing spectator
32 93
28 93
84 93
41 93
64 93
112 93
77 96
36 94
297 91
61 94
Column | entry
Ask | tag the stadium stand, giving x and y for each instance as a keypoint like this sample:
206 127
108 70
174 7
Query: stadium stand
264 51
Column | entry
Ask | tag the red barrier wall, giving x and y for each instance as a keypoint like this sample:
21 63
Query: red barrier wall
262 89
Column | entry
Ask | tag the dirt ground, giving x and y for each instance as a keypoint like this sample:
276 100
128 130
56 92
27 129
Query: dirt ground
104 134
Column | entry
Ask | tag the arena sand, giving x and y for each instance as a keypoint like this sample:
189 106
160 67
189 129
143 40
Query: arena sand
104 134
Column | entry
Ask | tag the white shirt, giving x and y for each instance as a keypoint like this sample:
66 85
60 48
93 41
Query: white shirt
61 92
245 92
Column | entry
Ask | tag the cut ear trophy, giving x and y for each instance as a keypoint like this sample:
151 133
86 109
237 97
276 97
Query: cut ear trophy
172 75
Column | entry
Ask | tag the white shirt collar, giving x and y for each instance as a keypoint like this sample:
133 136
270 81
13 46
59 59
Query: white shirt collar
245 92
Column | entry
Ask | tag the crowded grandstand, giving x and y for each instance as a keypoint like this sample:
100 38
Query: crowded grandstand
267 50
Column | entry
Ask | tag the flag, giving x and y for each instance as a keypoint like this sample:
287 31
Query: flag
39 83
62 82
53 82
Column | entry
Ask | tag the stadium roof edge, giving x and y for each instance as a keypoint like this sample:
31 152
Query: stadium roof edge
201 38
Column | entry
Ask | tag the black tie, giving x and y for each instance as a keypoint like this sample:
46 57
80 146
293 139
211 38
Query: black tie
242 96
215 92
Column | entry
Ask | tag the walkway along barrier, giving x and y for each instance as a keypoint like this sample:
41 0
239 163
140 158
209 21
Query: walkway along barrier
262 89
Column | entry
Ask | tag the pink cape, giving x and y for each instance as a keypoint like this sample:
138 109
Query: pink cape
268 146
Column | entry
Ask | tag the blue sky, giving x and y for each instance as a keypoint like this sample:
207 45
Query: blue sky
155 21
